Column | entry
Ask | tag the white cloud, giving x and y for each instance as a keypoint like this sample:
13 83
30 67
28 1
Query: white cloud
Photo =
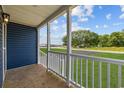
55 22
100 7
77 11
83 19
89 10
122 8
97 26
65 15
83 12
117 24
64 26
54 27
121 16
105 26
108 16
76 27
64 33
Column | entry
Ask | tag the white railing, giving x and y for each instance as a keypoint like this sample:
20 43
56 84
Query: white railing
88 71
57 63
43 59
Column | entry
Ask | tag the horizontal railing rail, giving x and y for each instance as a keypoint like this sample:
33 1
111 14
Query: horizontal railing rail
88 71
108 60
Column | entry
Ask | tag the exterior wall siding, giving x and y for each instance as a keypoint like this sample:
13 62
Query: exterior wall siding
21 45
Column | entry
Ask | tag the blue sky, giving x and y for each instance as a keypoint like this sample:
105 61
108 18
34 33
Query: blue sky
102 19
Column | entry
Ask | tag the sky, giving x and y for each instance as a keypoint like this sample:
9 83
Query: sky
101 19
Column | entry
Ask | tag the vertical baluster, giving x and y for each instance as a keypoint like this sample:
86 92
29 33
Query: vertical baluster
77 70
92 73
119 75
45 60
86 73
81 72
108 75
100 74
71 67
59 64
62 64
52 61
55 62
65 65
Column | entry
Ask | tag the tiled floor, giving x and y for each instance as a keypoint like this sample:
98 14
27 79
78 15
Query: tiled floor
32 76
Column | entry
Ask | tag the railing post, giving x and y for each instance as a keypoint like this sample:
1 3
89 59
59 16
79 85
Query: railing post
119 75
108 75
48 44
68 66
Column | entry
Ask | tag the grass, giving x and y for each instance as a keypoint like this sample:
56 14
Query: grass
53 49
113 68
117 49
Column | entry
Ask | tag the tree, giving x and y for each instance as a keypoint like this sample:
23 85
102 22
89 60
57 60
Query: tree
117 39
64 40
104 40
83 38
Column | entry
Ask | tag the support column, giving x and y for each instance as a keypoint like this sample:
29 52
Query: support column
48 44
5 46
38 46
68 66
3 49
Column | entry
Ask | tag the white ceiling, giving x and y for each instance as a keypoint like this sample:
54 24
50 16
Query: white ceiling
31 15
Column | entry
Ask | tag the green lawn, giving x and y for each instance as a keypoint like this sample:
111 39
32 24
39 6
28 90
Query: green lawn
117 49
114 69
106 55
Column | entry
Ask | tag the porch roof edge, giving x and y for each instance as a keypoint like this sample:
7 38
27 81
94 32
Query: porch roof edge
55 14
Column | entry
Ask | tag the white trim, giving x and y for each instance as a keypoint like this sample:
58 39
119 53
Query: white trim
48 44
69 50
38 45
3 51
5 48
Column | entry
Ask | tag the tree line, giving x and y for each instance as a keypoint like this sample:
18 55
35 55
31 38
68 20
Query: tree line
87 38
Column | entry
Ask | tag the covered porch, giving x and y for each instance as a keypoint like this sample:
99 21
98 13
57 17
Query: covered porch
21 65
24 66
